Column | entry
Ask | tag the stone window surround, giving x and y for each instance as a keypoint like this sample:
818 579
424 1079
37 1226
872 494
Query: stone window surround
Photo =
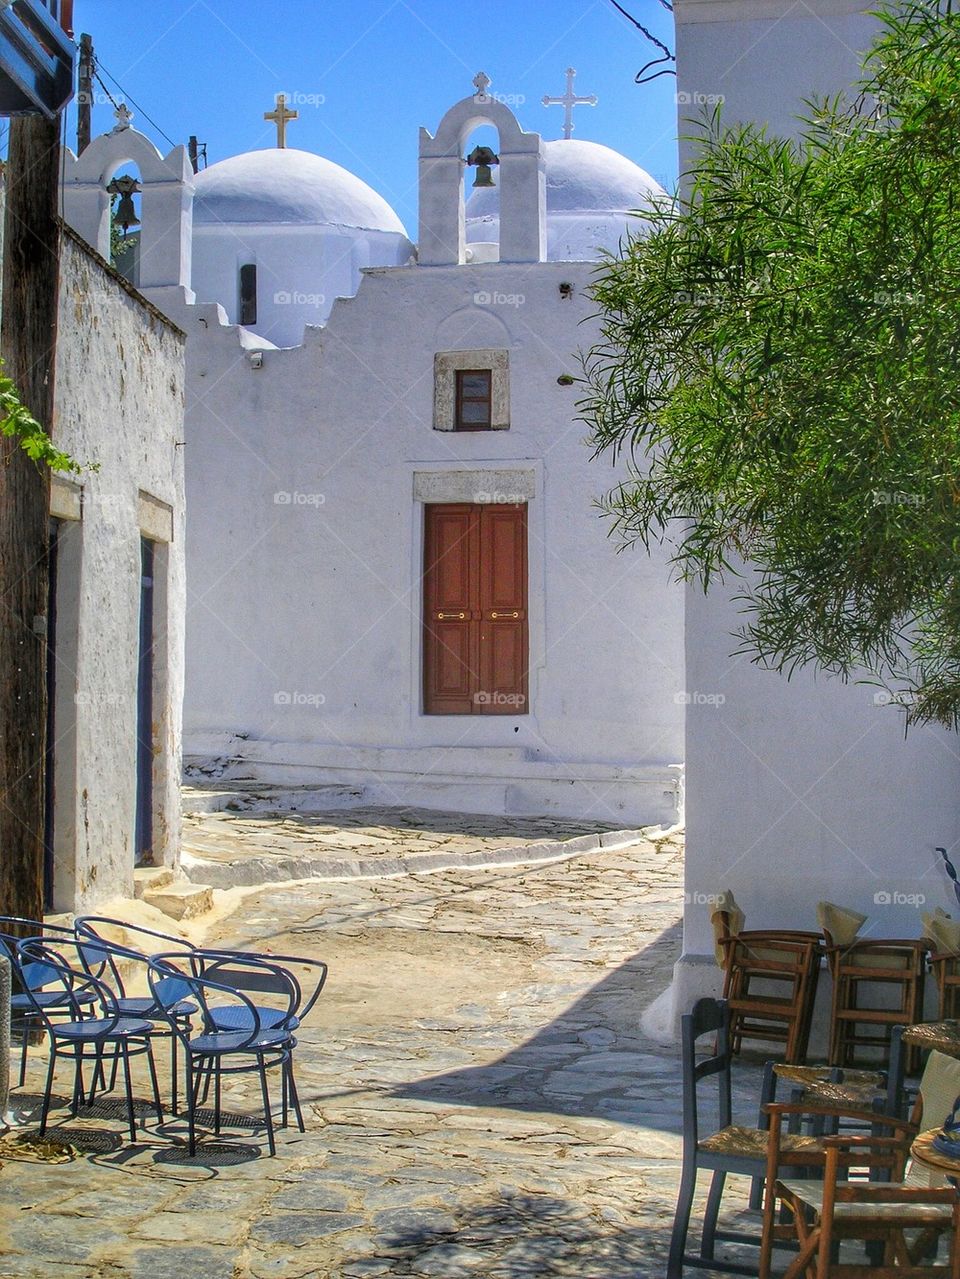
447 363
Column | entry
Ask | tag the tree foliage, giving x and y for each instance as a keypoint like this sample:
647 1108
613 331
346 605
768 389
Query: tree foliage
780 368
17 421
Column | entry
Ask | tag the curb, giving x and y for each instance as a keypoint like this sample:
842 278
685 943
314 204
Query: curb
248 872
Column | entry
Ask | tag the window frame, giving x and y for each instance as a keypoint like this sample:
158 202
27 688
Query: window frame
460 376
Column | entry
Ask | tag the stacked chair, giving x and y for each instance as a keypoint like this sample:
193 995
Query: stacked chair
228 1012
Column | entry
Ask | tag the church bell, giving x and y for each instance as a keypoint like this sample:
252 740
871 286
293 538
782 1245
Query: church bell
482 158
126 213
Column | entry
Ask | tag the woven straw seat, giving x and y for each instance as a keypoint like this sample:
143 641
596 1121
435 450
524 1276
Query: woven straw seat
807 1076
944 1036
751 1143
907 1215
850 1096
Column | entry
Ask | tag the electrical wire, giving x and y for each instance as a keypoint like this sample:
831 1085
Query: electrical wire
98 66
666 56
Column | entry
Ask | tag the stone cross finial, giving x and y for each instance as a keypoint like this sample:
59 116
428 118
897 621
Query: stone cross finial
280 116
568 102
482 81
123 117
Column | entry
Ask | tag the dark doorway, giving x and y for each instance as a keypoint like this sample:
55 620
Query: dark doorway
143 847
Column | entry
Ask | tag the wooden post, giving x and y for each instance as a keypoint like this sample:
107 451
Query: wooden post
84 92
31 269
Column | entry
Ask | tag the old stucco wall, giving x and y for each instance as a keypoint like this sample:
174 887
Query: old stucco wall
119 407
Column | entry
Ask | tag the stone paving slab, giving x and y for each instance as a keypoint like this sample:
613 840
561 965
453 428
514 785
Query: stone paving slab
479 1099
250 841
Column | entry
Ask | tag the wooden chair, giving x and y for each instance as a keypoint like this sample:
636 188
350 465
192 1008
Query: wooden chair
731 1148
878 1211
770 985
945 967
862 967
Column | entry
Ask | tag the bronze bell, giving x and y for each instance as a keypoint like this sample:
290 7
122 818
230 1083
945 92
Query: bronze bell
482 158
126 214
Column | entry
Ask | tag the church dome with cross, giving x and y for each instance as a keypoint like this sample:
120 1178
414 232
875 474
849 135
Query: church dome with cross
280 234
591 191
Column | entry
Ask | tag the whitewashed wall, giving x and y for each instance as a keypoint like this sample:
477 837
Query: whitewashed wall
119 405
803 790
301 270
305 553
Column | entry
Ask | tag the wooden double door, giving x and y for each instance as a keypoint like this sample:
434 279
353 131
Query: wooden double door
475 650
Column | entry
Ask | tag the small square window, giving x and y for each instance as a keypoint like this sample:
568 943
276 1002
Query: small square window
474 400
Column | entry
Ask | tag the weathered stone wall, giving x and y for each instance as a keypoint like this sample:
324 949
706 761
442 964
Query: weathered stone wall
119 409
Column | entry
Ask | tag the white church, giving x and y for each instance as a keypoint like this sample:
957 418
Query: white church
397 575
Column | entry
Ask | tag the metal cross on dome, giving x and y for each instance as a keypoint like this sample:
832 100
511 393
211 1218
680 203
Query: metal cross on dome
482 82
122 117
568 102
280 116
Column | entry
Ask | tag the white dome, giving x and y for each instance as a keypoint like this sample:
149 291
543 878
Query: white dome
286 187
591 192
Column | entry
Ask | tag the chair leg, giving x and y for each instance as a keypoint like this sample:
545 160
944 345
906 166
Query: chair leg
154 1082
268 1117
193 1093
216 1097
681 1221
24 1039
45 1109
711 1213
294 1096
131 1116
173 1072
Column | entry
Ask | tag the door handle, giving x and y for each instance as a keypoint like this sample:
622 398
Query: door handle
446 617
496 615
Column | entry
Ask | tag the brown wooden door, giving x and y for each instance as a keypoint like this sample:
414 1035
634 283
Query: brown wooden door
475 610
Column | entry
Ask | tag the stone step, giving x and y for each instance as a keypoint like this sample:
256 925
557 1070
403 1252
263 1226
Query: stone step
149 879
247 797
181 900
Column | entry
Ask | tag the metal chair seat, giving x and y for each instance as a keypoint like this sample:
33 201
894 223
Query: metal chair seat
229 1041
93 1028
47 999
132 1006
234 1018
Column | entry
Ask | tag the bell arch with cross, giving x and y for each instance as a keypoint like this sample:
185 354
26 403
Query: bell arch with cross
166 206
522 181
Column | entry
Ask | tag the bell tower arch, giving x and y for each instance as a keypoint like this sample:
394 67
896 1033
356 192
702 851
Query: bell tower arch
166 204
523 233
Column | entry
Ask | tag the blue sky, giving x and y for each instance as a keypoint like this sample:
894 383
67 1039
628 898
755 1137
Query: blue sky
366 74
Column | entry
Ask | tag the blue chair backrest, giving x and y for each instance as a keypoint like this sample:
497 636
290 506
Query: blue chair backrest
708 1016
170 984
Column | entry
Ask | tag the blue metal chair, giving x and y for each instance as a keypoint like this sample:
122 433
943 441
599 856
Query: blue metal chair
24 1017
95 1022
106 960
243 1045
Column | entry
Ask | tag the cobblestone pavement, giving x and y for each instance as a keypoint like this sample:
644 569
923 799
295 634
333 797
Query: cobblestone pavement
479 1098
289 844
